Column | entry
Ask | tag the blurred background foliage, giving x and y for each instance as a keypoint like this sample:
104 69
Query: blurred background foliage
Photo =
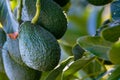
83 19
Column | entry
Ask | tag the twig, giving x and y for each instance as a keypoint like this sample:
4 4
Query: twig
35 18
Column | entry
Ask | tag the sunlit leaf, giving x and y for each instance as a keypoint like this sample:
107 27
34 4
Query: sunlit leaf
74 67
94 69
114 53
115 74
95 45
67 48
13 4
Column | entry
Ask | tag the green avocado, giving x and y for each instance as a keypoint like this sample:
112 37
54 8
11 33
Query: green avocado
39 48
15 71
99 2
51 17
2 41
62 2
13 49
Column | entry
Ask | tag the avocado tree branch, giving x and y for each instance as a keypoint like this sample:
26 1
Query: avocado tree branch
35 18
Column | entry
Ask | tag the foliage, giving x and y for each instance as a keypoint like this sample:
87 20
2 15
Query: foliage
91 44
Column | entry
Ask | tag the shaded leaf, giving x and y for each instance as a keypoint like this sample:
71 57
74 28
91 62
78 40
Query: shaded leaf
111 34
74 67
77 52
3 76
95 45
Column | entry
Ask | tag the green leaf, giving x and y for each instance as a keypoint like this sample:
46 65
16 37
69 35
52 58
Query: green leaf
115 10
67 48
99 17
95 45
94 69
74 67
58 71
114 53
111 34
77 52
115 74
3 76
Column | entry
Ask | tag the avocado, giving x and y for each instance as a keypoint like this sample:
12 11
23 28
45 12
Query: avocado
99 2
13 49
62 3
15 71
2 41
51 16
39 48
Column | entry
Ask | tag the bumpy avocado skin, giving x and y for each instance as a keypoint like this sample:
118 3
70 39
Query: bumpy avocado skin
61 2
13 49
2 41
51 17
99 2
39 49
15 71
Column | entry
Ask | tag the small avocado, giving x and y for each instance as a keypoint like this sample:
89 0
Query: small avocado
39 48
99 2
15 71
51 16
62 3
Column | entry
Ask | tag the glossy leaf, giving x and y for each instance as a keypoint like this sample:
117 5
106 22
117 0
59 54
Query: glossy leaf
95 45
115 74
58 70
74 67
94 69
111 34
114 53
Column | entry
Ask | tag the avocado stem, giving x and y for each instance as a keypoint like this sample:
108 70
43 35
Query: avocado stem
36 17
19 13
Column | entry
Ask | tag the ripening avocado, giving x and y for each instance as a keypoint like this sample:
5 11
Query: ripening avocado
2 41
99 2
51 16
62 2
13 49
39 49
15 71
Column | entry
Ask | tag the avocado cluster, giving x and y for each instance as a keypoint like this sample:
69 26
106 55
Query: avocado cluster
99 2
36 48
